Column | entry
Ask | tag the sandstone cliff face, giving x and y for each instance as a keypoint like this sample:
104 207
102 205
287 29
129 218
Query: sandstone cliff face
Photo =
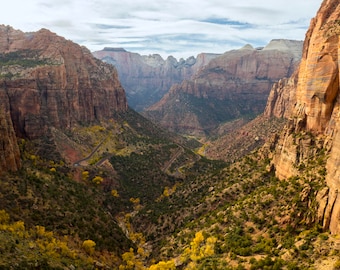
316 110
9 150
47 81
232 85
147 78
282 97
54 82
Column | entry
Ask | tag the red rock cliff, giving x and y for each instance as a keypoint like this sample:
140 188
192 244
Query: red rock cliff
51 81
316 110
234 84
9 150
147 78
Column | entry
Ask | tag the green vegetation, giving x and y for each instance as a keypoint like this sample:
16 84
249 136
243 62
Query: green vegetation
257 220
210 112
24 58
149 202
36 248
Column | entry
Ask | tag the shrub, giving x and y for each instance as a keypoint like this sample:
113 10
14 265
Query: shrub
88 246
85 175
114 193
97 180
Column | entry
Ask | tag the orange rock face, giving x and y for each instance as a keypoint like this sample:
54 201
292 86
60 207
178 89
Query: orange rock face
318 83
316 109
51 81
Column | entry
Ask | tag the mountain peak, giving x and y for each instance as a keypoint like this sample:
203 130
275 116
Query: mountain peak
247 47
113 49
63 86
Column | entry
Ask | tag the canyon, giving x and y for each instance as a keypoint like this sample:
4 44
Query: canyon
146 78
262 193
232 86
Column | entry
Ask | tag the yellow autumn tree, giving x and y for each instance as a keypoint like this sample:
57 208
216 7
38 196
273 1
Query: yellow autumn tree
195 246
85 175
168 265
199 248
114 193
166 192
131 262
135 200
88 246
97 180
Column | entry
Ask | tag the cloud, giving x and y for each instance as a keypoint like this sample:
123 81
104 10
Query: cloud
182 28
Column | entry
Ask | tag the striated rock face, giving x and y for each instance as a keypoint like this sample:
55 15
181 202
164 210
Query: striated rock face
282 97
47 81
9 150
316 110
231 86
147 78
53 82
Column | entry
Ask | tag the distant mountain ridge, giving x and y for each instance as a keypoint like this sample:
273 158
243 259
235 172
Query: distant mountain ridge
146 78
231 86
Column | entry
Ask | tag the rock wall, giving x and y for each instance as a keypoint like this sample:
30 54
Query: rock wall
51 81
282 97
232 85
47 81
9 150
146 78
316 110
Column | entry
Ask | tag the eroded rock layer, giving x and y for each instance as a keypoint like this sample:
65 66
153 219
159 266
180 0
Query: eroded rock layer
233 85
315 110
146 78
47 81
9 150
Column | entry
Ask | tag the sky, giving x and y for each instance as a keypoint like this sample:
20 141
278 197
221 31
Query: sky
181 28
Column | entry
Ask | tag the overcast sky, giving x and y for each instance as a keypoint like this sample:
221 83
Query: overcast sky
181 28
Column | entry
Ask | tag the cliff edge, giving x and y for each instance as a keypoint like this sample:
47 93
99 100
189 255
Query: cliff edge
47 81
312 104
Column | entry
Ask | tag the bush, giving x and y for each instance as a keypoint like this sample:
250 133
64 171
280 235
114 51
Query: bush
88 246
97 180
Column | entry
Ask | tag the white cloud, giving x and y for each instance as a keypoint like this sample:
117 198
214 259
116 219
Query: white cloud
180 27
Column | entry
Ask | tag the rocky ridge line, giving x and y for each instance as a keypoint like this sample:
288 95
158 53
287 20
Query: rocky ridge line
47 81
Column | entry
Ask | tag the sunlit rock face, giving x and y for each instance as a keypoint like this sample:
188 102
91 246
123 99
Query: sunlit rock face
315 109
231 86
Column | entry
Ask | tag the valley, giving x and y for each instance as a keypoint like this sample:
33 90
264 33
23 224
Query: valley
231 162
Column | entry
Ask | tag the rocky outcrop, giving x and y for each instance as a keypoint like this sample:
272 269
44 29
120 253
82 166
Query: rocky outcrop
282 98
316 111
9 150
51 81
231 86
47 81
146 78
